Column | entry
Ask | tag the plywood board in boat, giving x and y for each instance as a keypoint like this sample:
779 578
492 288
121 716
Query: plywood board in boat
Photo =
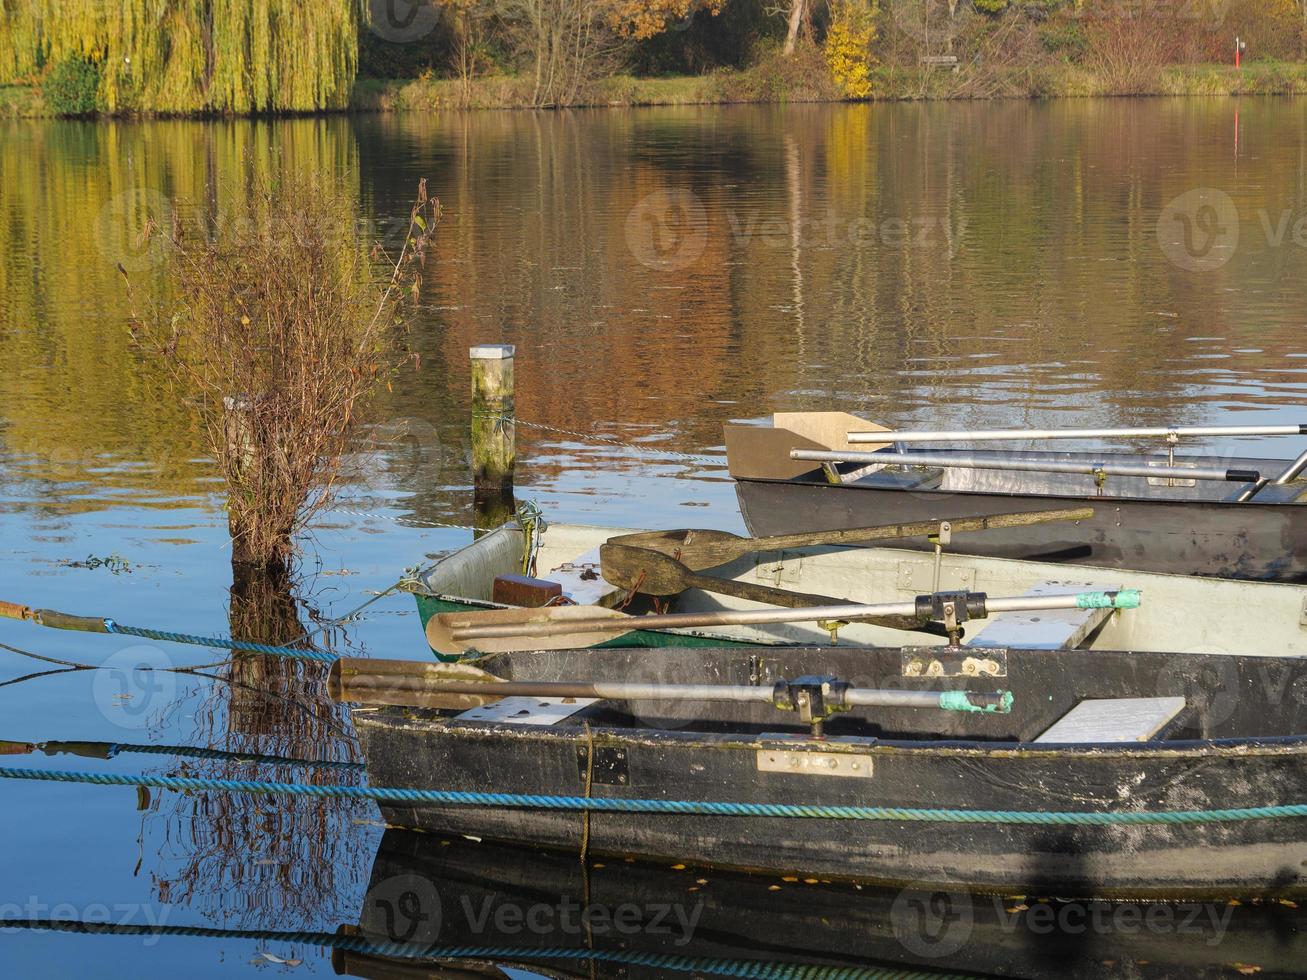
1113 720
1045 629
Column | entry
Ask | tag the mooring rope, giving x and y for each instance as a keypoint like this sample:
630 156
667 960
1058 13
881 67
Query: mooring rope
756 970
684 807
94 624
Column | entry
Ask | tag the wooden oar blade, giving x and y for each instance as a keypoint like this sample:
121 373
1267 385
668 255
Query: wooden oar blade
441 629
360 680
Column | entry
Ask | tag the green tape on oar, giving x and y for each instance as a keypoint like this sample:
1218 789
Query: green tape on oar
1121 599
961 701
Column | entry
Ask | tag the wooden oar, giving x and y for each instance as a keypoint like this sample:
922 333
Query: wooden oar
404 682
654 573
573 627
698 549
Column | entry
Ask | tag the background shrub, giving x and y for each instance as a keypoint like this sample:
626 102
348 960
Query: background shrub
72 87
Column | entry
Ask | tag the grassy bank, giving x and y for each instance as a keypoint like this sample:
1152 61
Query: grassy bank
797 80
767 83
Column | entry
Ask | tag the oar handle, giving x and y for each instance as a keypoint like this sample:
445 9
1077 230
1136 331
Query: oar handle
1119 599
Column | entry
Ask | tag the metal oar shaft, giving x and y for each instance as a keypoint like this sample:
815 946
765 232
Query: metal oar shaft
1126 598
1092 468
988 435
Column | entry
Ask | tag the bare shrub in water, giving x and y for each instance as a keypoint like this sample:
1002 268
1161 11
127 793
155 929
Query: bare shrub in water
280 330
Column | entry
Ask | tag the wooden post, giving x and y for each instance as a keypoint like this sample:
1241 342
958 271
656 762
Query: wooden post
239 423
493 424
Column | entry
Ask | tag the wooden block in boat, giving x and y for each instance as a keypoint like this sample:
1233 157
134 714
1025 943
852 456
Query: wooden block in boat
1113 720
522 590
1044 629
580 579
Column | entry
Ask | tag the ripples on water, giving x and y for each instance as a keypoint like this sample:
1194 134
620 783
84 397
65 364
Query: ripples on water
661 272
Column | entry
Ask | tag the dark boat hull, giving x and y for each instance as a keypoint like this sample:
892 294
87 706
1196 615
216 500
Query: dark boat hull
479 895
1229 540
973 763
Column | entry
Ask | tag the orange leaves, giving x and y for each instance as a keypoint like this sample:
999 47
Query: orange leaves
643 19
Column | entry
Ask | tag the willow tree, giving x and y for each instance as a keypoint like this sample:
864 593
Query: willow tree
177 56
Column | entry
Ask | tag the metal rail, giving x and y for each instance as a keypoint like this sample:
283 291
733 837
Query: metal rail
1164 432
1029 465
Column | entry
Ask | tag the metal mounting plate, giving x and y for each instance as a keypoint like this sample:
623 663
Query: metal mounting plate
610 766
954 662
848 764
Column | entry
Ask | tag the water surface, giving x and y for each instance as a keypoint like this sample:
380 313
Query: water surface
661 272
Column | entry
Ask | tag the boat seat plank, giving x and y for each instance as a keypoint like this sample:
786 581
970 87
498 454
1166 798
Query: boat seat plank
1044 629
580 578
527 711
1113 720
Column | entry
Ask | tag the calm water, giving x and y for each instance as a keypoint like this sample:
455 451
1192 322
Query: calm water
661 272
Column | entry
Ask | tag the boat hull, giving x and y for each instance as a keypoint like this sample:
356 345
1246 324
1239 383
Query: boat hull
973 763
1258 543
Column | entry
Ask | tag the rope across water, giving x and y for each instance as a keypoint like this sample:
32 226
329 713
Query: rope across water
683 807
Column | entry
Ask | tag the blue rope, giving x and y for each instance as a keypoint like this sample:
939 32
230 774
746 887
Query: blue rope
701 807
373 947
219 642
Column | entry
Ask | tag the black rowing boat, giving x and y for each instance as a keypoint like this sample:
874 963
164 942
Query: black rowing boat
1096 732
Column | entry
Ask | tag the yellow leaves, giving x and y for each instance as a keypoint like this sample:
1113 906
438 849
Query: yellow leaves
193 55
848 46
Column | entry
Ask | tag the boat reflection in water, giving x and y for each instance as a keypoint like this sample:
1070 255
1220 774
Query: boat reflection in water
497 910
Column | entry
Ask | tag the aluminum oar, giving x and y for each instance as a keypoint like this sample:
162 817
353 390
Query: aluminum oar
1157 432
1090 468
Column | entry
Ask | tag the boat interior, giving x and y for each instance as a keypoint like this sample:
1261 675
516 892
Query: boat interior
1178 612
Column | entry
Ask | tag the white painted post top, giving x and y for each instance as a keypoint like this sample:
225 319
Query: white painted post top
491 352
